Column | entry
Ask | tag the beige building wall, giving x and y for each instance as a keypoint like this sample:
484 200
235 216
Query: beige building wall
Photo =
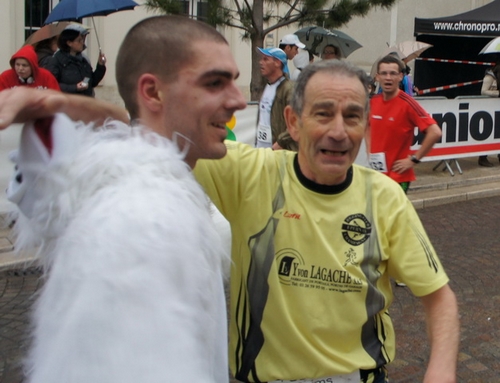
374 32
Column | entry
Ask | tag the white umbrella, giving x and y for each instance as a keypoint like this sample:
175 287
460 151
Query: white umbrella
412 49
406 51
492 47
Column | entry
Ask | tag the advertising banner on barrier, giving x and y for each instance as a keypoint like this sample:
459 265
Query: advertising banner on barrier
471 127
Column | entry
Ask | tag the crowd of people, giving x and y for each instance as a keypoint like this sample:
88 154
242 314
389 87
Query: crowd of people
57 63
135 271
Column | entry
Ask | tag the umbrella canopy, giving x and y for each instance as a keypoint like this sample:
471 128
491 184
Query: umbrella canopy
48 31
412 49
406 51
492 47
316 38
77 9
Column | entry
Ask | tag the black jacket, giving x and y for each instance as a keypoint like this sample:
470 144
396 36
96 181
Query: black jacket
44 57
70 70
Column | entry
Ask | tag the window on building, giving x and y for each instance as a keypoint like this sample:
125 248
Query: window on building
195 9
35 13
202 10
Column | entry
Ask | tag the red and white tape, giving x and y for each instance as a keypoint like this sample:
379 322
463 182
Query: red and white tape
445 87
456 61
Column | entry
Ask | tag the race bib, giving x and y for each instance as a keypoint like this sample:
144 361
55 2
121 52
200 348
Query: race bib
264 136
377 162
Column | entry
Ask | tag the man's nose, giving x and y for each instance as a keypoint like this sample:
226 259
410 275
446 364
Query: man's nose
235 99
336 128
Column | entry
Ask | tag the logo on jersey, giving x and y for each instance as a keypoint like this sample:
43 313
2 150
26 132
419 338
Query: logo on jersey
294 272
351 258
356 229
289 260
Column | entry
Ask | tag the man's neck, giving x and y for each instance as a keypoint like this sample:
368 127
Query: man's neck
272 79
390 96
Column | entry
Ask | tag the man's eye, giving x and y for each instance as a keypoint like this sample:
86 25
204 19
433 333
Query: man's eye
353 117
323 114
215 84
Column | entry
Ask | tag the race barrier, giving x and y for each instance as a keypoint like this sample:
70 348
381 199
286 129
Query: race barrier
445 87
456 61
458 85
470 126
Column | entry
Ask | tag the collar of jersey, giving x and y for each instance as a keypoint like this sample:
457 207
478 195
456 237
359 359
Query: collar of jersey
318 188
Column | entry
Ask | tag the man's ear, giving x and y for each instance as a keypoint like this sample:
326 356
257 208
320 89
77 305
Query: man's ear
149 93
292 122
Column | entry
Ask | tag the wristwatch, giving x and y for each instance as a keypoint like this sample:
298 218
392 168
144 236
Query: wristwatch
414 159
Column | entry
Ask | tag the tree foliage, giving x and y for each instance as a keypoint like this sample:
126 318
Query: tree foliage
255 19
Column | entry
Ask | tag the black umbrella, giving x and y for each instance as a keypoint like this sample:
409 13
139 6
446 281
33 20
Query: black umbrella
316 38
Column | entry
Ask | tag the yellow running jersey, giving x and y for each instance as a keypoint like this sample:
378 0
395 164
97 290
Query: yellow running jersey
310 279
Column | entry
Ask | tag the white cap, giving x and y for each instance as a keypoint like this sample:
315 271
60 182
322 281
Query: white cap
292 40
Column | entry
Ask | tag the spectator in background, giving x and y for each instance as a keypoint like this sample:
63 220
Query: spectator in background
393 117
73 70
45 49
331 52
290 44
25 71
300 61
276 96
489 88
406 85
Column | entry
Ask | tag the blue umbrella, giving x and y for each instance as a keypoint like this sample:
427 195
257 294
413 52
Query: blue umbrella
68 10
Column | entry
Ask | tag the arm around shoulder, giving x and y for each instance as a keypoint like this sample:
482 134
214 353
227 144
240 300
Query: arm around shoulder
441 312
22 104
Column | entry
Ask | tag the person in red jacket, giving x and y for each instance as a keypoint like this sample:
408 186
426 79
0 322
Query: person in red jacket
26 72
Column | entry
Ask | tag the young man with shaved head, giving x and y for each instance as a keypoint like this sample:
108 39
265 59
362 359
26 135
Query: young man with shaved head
135 268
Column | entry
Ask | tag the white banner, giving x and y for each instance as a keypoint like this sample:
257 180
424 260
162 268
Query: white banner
471 127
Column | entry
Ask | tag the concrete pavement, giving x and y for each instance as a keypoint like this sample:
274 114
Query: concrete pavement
436 186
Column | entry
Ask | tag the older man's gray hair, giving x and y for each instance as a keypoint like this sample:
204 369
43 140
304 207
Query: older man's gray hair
333 67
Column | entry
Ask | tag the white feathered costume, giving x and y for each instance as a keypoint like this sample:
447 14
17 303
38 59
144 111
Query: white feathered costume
134 289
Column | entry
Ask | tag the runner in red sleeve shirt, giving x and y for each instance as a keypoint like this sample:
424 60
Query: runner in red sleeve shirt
393 117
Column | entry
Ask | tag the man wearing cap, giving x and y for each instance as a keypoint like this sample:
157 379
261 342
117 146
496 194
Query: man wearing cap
276 96
290 44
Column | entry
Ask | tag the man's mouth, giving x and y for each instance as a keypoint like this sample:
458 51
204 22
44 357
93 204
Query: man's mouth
219 125
335 153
